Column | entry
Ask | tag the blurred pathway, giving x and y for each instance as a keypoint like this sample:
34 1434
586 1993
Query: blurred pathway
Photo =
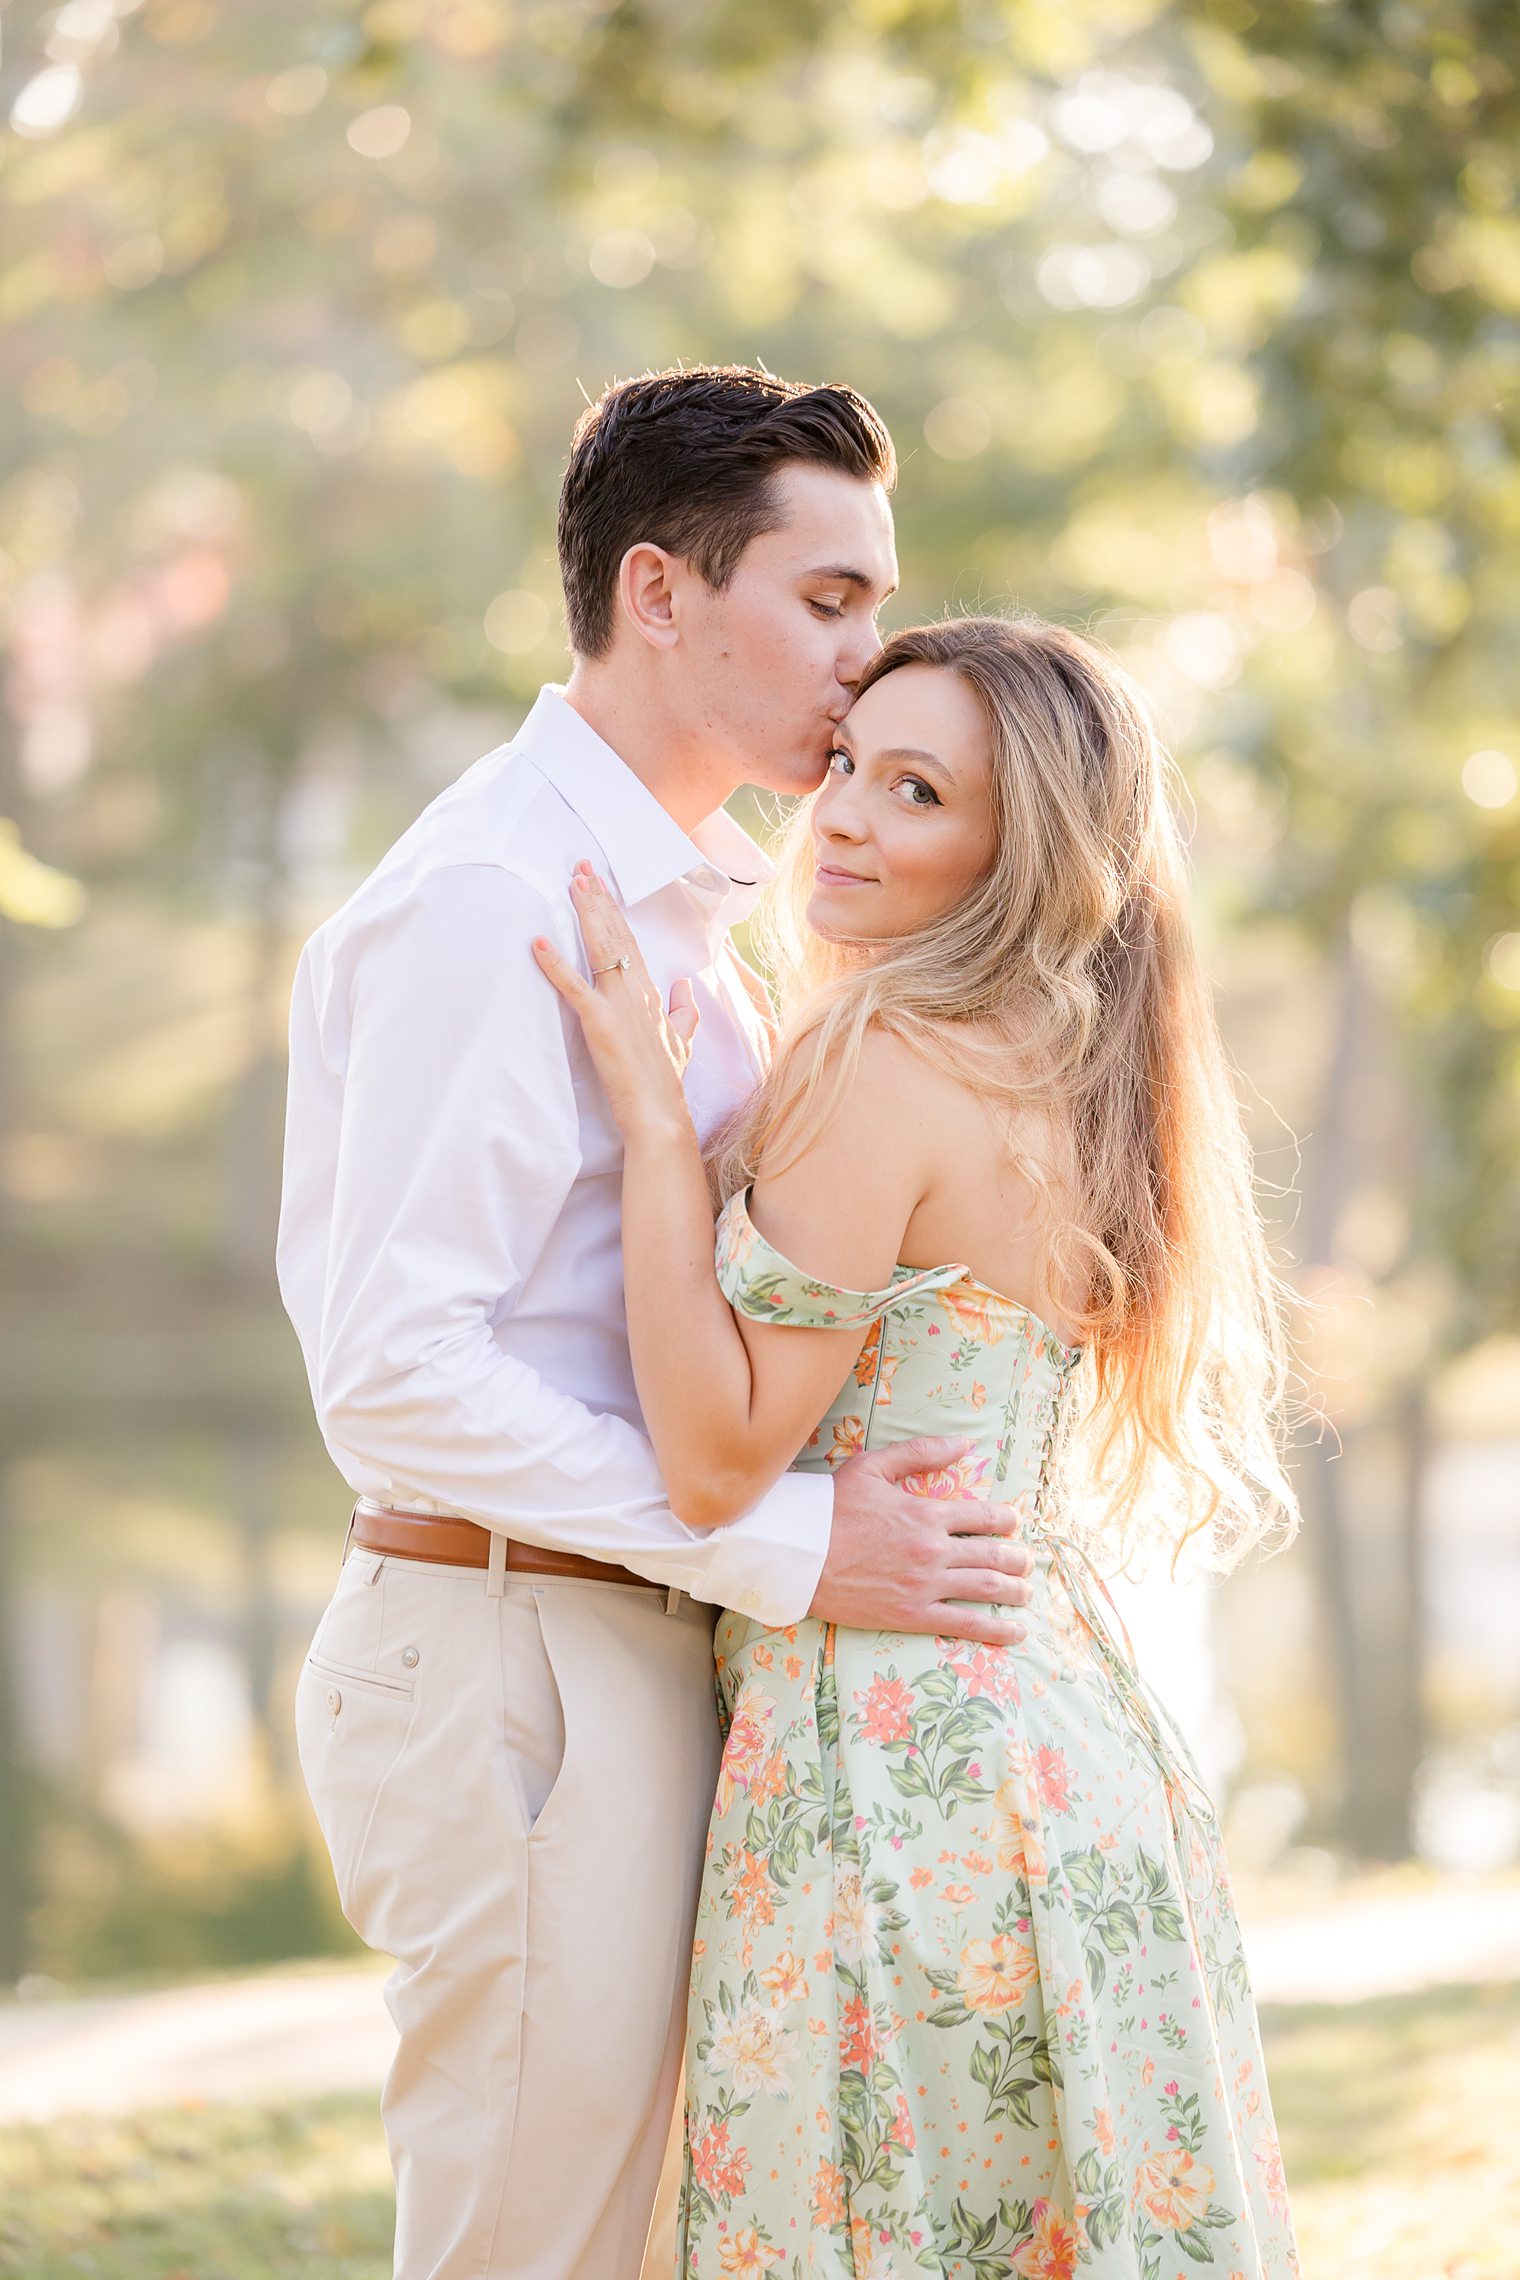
308 2030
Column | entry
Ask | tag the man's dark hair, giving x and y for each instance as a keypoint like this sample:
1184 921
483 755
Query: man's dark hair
687 460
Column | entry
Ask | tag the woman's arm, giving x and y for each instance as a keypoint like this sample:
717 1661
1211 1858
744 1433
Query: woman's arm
728 1402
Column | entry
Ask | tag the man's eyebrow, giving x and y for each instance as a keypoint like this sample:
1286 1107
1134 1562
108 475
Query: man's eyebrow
849 576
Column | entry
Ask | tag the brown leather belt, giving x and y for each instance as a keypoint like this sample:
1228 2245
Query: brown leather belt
447 1541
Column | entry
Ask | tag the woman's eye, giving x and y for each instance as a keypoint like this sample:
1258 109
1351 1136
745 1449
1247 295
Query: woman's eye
826 609
916 785
840 763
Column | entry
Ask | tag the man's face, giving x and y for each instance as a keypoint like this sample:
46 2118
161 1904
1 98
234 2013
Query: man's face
769 664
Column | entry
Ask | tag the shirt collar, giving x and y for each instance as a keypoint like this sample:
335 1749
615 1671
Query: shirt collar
644 847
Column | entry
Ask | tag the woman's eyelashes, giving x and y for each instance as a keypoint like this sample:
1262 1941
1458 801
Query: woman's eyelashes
842 763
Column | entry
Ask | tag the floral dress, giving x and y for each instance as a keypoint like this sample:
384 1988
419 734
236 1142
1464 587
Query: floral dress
968 1997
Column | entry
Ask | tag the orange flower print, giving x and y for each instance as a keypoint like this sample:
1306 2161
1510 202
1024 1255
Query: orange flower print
751 1895
1175 2188
786 1980
996 1974
1103 2129
828 2196
857 2034
770 1781
718 2166
1016 1832
958 1896
849 1440
900 2129
871 2253
886 1711
891 1363
865 1367
1050 2253
986 1670
1052 1778
748 1743
960 1479
747 2256
982 1316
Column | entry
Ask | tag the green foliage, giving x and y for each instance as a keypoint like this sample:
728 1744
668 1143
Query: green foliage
1395 2115
223 2193
1197 321
113 1904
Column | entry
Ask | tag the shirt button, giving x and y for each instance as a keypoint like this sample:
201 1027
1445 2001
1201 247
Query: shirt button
410 1657
334 1700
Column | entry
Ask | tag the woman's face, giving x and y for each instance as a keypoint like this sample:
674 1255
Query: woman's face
903 826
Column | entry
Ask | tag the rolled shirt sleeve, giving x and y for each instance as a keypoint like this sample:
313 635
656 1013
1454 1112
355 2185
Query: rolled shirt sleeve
431 1075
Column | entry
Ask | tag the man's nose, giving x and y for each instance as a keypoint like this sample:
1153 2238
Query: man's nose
863 647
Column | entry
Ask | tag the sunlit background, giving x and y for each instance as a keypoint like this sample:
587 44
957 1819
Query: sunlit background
1197 325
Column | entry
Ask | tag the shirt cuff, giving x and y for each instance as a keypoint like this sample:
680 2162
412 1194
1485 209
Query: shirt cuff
767 1564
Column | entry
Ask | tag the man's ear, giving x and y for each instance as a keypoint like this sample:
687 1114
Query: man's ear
648 587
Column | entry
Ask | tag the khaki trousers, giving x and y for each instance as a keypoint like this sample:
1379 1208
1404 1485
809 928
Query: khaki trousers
514 1786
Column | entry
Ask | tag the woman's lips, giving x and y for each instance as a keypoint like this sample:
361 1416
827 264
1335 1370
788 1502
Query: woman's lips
841 878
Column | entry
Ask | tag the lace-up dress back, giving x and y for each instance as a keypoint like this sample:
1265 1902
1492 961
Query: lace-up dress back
969 1998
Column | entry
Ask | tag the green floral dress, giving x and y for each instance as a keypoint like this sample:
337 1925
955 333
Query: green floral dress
968 1997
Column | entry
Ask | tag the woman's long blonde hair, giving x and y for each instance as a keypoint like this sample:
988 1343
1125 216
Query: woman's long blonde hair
1067 982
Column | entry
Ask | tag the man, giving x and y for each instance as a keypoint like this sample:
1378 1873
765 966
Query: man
507 1717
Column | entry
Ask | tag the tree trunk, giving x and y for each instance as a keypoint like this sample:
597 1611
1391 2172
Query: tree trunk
15 1831
1373 1635
250 1210
252 1161
1320 1467
15 1820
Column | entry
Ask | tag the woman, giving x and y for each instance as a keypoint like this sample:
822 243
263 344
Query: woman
968 1996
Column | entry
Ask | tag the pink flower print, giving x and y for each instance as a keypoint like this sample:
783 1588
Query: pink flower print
1269 2161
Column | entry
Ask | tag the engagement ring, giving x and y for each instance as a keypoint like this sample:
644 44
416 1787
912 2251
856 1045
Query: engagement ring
619 965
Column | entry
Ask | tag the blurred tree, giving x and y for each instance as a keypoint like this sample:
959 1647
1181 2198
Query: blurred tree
1197 321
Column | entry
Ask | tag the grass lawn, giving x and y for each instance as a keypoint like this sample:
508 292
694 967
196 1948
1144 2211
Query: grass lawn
1399 2121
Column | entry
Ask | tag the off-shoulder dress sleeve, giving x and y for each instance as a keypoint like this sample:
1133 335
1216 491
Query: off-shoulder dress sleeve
757 1281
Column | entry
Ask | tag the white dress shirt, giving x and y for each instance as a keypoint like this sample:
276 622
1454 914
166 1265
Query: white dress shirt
449 1246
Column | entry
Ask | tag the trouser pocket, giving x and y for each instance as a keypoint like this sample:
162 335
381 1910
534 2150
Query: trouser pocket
352 1729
